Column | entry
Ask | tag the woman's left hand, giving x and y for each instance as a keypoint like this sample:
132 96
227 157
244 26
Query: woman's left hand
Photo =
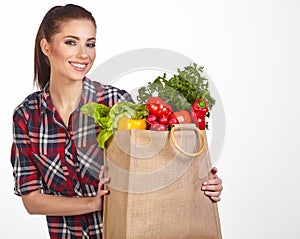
213 187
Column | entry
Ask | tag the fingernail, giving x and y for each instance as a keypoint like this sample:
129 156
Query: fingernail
204 183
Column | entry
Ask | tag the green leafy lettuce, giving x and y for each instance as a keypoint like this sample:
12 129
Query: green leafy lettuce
107 117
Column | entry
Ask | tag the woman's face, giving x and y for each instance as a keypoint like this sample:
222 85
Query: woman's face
72 51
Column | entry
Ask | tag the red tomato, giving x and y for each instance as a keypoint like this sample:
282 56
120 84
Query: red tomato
158 127
166 110
183 116
155 105
164 119
151 118
154 109
173 121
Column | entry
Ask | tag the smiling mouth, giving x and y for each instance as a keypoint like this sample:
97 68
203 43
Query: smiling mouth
79 65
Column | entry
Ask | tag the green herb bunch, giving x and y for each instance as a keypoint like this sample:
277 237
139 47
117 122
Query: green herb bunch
181 90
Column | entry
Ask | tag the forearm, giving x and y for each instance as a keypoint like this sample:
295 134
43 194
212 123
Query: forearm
38 203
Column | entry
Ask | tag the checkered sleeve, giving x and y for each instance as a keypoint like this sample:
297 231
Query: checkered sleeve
111 95
125 96
26 175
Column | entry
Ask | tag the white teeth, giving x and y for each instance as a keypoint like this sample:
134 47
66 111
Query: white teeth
78 65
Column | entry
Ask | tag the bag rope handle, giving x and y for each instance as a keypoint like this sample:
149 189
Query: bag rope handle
201 136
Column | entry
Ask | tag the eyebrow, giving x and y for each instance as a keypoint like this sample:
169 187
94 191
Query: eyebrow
77 38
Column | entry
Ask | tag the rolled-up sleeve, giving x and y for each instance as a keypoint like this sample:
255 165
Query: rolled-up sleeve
25 173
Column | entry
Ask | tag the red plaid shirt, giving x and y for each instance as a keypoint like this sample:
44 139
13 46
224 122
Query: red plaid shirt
62 161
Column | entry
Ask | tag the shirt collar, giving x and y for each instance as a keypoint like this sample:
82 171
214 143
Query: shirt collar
89 94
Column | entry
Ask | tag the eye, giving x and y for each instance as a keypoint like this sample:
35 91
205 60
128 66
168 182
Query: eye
91 44
70 42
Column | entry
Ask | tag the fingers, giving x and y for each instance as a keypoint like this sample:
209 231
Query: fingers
215 199
212 182
213 191
103 192
213 187
102 180
215 196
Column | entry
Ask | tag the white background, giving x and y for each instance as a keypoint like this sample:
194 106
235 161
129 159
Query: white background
250 49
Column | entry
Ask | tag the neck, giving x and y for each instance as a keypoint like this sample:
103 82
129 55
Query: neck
65 97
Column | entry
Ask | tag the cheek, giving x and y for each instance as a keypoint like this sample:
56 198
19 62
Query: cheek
62 53
92 54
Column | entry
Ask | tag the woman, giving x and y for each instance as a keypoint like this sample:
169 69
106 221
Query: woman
55 156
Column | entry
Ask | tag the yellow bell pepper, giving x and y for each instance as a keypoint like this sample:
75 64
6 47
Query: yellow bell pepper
127 123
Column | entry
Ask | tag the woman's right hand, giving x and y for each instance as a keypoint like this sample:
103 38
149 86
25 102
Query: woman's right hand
101 191
38 203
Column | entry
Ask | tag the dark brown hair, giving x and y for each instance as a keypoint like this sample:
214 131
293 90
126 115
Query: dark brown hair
50 26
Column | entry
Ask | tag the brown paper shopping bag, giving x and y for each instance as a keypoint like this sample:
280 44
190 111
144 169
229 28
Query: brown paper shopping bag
155 186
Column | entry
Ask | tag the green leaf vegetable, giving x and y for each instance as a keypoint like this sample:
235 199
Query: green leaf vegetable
181 90
107 117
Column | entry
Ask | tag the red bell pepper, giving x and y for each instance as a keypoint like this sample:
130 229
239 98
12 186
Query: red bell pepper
199 110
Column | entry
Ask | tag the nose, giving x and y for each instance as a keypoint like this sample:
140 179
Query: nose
82 53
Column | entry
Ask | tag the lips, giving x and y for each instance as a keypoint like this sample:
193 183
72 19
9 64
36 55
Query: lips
79 66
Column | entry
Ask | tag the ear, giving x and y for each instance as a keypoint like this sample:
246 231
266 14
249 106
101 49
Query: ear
45 47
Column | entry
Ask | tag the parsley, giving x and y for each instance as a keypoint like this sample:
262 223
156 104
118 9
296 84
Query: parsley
181 90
